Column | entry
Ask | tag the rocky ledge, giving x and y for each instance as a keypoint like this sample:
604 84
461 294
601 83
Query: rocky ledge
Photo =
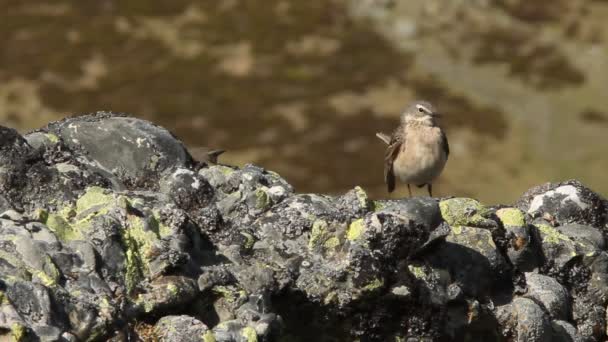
109 230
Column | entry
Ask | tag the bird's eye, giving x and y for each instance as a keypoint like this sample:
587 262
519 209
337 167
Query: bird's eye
420 110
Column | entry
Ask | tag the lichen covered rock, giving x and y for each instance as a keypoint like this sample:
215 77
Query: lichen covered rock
109 231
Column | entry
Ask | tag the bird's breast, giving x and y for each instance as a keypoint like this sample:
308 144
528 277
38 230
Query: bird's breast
422 157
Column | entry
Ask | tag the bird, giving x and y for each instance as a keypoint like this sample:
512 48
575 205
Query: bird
205 154
417 150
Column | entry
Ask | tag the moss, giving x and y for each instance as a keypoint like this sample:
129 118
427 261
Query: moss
463 212
18 332
163 230
249 334
550 234
355 230
362 197
262 200
208 336
318 233
512 217
375 284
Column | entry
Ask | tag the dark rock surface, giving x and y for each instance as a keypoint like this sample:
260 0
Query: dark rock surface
110 231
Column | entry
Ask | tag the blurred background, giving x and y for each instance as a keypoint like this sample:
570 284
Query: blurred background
301 87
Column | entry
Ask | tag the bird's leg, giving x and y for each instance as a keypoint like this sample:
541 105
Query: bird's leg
430 188
410 190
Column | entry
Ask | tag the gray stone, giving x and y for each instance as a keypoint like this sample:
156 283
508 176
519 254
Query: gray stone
548 292
180 329
525 321
566 202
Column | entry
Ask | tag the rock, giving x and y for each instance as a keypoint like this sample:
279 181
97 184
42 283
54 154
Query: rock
472 258
525 321
551 294
565 243
181 329
132 149
565 332
523 249
566 202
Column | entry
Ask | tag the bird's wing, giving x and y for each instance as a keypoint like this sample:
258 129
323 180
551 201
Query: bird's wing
384 137
391 153
444 144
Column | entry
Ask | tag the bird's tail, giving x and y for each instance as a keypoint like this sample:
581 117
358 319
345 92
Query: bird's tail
384 137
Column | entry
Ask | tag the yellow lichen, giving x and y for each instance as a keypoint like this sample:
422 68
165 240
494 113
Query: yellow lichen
417 271
550 234
375 284
249 334
208 336
94 196
52 138
355 230
362 197
18 332
511 217
332 243
462 211
318 233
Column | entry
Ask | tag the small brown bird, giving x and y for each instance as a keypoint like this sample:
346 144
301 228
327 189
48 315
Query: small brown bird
418 149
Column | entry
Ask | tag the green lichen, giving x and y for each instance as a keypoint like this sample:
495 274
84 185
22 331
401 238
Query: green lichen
49 275
227 171
378 205
318 233
52 138
93 197
138 241
173 290
41 215
249 240
456 230
249 334
550 234
511 217
18 332
331 297
375 284
208 336
62 228
463 212
332 243
133 267
230 293
362 197
355 230
262 200
418 271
